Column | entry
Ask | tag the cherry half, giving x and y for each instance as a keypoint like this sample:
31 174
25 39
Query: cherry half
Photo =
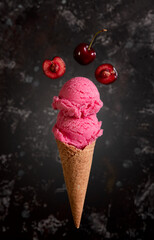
84 53
106 73
54 68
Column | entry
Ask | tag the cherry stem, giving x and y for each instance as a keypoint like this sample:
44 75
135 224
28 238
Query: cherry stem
103 30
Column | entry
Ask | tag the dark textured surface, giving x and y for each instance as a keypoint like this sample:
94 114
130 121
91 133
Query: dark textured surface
120 198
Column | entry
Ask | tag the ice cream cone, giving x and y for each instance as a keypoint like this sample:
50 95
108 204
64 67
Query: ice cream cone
76 165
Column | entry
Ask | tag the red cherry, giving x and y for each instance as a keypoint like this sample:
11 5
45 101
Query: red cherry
106 73
84 53
54 68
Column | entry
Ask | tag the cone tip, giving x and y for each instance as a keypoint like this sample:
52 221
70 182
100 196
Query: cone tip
77 226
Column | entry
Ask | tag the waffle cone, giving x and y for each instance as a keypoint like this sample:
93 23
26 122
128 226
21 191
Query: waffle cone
76 165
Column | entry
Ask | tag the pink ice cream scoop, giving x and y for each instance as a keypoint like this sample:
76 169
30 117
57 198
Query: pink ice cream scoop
78 132
78 102
78 98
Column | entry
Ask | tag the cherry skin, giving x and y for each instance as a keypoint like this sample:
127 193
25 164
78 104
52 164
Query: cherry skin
106 73
84 53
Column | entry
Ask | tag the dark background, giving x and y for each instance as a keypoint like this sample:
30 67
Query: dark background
120 197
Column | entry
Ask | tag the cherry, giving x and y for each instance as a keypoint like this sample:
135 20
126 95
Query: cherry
54 68
106 73
84 53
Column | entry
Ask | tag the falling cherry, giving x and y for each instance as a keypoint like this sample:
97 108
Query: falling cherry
106 73
84 53
54 68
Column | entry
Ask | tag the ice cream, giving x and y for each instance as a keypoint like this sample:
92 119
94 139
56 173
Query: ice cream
78 98
76 131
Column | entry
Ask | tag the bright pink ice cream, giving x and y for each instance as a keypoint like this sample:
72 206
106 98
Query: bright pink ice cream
78 97
78 132
78 102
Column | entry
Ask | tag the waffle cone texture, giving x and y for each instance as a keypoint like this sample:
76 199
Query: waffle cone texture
76 165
